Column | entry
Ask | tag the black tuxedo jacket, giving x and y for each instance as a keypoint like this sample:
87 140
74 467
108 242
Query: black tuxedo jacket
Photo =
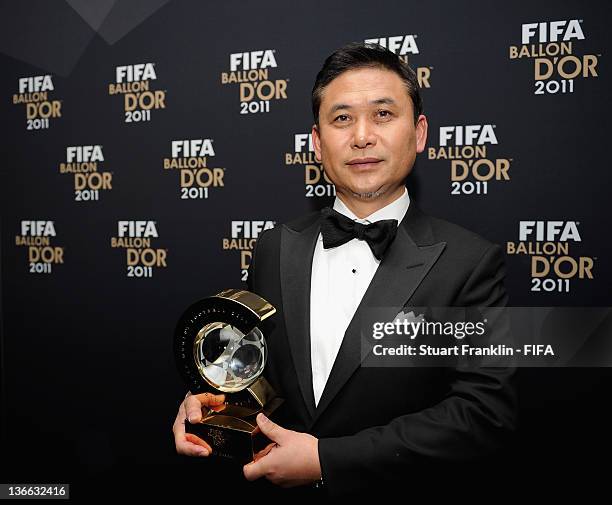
373 424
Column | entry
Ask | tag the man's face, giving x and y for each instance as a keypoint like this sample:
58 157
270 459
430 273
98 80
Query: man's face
366 138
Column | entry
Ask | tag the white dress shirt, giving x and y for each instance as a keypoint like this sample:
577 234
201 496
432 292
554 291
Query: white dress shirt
340 277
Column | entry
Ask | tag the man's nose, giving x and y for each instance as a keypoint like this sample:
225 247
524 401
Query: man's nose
363 134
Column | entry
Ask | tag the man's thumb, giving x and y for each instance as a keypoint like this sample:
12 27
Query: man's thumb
270 429
217 399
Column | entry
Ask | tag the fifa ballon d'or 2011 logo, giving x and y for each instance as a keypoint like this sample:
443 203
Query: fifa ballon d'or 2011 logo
553 47
251 71
140 98
41 106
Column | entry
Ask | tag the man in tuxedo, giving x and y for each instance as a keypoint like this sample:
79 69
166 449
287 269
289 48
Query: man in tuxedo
345 426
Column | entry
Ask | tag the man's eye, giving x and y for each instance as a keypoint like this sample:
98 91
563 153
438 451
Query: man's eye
384 113
341 118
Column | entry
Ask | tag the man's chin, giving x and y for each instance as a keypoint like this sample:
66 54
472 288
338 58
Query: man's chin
368 193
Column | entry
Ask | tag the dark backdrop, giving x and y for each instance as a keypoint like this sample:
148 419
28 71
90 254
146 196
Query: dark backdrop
88 378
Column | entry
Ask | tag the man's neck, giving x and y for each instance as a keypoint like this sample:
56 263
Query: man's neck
364 207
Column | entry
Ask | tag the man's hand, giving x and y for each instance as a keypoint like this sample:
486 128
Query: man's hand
191 411
292 460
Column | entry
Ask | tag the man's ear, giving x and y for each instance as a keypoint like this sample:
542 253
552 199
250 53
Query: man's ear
421 133
316 142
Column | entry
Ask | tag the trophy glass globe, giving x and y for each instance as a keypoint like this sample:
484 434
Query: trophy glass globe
227 359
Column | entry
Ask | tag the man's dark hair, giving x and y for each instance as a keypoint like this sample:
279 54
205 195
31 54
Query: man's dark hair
360 55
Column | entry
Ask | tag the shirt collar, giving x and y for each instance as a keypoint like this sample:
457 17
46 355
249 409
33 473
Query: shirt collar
395 210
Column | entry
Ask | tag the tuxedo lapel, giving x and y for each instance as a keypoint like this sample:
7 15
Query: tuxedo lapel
399 274
296 253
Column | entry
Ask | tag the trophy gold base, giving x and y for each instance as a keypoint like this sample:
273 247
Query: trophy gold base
232 431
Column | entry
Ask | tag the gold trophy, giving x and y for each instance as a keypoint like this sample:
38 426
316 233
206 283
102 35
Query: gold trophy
219 348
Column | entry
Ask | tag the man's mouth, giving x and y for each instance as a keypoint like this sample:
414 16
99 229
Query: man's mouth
359 163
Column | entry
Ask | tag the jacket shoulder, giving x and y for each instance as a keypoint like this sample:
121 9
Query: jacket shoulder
455 233
461 243
303 221
296 224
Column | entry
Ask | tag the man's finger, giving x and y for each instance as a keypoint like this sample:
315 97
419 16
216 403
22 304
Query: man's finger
270 429
255 469
209 400
193 409
188 449
194 403
187 443
178 428
195 440
264 451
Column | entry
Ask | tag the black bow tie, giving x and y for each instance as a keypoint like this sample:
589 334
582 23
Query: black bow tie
337 229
